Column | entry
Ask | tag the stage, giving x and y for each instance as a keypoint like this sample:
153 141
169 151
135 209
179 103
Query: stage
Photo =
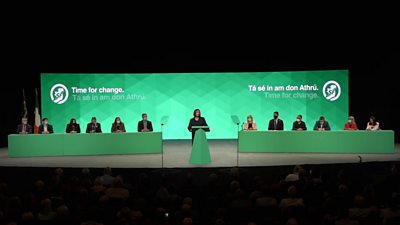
177 152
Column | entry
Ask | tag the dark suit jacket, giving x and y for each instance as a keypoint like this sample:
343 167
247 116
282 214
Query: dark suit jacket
279 126
97 129
297 125
69 128
49 128
325 125
28 128
140 126
200 122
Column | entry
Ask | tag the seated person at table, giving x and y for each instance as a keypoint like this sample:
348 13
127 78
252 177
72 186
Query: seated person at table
275 123
46 128
93 126
144 125
299 124
118 126
372 124
250 124
24 127
351 124
322 124
73 127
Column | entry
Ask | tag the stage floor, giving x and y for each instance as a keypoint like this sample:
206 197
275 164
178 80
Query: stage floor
177 153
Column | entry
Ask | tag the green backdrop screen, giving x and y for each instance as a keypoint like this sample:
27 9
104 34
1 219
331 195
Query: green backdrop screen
176 95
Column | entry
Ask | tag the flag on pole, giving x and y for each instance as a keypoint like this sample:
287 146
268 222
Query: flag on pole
37 115
24 109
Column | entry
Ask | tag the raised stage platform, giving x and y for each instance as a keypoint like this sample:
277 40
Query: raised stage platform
177 152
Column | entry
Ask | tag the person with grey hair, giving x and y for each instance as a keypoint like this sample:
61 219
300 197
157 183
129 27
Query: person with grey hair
107 179
24 127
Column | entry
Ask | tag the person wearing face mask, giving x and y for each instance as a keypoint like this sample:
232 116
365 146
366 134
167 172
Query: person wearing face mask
351 124
24 127
144 125
322 124
73 127
46 128
299 124
93 126
118 126
275 123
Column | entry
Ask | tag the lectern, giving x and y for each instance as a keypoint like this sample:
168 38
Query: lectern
200 152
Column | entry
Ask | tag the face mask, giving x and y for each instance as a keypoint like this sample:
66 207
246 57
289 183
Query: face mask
275 117
349 121
321 122
298 120
118 121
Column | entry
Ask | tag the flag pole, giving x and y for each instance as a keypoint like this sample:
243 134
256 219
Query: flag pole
25 110
38 121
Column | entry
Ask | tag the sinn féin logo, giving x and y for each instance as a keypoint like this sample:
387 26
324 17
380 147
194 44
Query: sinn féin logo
59 93
331 90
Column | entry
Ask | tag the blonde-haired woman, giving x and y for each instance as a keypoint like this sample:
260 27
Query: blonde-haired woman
351 124
250 124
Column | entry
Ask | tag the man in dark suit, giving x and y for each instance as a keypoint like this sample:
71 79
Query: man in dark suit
24 127
144 125
46 128
322 124
275 123
93 127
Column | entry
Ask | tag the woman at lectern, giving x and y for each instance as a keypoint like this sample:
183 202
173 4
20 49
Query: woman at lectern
373 124
197 120
73 127
250 124
118 126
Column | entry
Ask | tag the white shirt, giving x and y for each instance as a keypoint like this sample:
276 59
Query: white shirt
371 127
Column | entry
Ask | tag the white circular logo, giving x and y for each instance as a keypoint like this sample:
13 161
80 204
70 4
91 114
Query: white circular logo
59 93
331 90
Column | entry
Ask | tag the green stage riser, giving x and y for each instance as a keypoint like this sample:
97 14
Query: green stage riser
84 144
317 141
